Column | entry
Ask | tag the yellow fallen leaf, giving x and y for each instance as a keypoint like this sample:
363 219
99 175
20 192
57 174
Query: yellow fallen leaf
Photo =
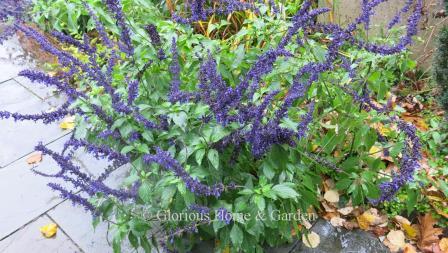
375 152
52 73
443 244
34 158
381 128
418 121
396 237
410 231
311 240
365 219
331 196
68 123
49 230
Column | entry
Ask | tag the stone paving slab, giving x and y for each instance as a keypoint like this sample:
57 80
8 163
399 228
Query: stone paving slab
24 194
27 198
28 195
19 138
15 98
8 70
56 100
39 89
78 223
12 59
29 239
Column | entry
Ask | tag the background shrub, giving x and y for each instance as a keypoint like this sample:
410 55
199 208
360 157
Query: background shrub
250 122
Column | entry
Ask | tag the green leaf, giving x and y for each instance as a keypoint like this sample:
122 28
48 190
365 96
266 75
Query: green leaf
358 197
236 236
133 240
180 119
260 202
127 149
145 192
213 157
343 184
145 244
284 191
443 187
411 200
143 148
116 244
138 227
148 136
167 195
246 192
96 221
199 155
268 170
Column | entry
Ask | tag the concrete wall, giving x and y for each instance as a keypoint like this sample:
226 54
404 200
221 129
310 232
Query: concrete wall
347 10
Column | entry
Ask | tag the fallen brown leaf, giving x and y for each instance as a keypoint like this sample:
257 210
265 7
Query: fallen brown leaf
337 221
311 240
328 208
346 210
350 225
380 231
396 238
429 235
418 121
328 184
330 215
34 158
443 244
402 220
393 248
332 196
408 248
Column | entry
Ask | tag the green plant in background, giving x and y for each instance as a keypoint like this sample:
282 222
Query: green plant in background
63 16
70 16
440 67
341 142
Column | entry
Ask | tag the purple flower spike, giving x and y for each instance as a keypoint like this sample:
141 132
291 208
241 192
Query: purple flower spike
165 160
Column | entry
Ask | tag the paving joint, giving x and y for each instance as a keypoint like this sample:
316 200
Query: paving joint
7 80
29 90
63 231
5 166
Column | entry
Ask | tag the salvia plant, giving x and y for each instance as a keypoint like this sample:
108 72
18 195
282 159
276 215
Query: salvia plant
208 127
